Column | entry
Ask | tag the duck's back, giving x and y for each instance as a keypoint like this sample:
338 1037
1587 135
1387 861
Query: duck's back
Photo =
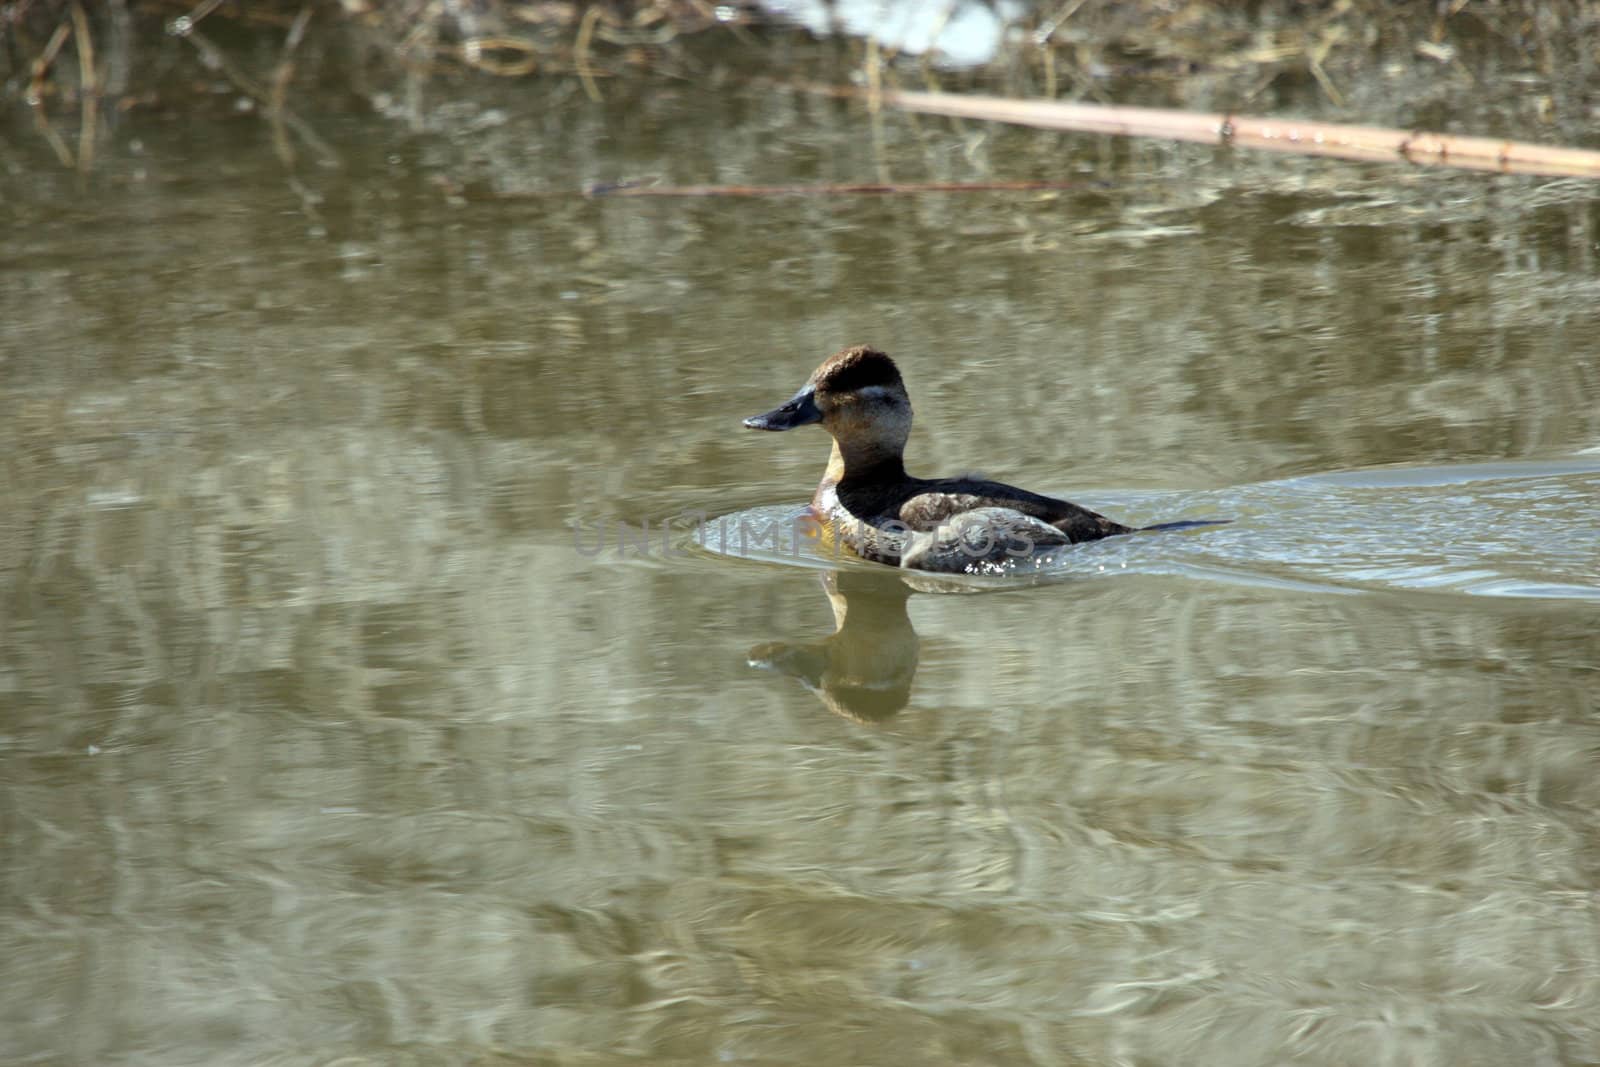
925 504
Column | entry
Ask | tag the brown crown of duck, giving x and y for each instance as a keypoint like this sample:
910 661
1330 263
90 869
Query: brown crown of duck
859 398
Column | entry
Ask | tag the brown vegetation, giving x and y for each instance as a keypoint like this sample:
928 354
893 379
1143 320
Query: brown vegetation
1496 69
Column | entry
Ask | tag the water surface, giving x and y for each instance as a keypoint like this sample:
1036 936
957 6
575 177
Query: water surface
324 737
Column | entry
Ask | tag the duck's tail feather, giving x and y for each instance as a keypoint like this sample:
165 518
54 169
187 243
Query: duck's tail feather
1184 524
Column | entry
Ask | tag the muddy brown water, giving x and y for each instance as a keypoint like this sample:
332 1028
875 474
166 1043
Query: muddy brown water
326 738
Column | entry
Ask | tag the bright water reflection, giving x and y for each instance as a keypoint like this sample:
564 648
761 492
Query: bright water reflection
1525 529
321 738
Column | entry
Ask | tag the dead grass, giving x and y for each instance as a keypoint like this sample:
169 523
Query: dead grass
69 60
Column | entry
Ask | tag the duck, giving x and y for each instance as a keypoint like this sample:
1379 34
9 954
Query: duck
867 502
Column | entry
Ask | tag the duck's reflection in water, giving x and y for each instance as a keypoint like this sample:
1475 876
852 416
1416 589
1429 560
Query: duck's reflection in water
864 669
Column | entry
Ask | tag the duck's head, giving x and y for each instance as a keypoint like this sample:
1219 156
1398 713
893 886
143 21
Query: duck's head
858 397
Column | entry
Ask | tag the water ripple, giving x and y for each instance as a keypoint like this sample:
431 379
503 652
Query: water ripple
1489 529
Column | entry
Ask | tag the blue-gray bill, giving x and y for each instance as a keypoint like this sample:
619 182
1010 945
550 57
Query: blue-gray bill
801 410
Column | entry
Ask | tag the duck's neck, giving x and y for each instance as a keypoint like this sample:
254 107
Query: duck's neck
865 460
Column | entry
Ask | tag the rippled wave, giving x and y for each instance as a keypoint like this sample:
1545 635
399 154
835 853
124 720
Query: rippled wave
1491 529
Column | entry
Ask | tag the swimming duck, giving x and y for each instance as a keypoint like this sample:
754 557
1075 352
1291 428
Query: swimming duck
869 502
